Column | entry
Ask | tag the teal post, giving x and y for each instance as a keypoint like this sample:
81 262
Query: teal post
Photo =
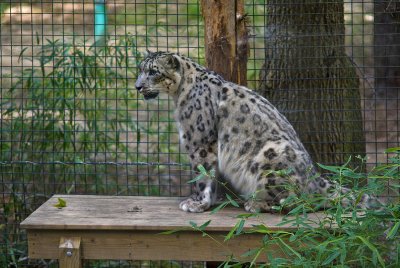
100 21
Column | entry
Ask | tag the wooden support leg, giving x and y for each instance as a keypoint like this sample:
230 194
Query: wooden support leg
69 252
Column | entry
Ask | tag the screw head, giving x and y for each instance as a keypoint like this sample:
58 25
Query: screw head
69 253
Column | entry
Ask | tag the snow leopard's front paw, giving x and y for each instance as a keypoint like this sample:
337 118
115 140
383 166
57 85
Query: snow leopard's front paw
254 206
193 204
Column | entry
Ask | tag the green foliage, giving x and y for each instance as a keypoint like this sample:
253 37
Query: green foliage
346 236
77 106
71 103
68 123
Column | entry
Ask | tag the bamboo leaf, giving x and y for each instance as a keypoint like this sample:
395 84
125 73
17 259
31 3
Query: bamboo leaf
333 169
262 229
292 238
230 234
393 150
393 231
359 197
233 202
172 231
202 170
250 252
61 203
331 257
240 226
193 224
220 206
351 174
296 210
246 215
197 178
373 249
21 54
204 225
289 248
236 230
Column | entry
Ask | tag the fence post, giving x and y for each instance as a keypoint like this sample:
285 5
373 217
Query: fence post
226 38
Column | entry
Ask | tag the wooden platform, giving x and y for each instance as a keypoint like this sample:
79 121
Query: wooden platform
128 228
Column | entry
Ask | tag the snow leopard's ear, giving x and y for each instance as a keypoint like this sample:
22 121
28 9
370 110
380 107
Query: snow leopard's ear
148 53
169 62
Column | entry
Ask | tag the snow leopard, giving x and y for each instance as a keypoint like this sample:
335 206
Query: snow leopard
232 129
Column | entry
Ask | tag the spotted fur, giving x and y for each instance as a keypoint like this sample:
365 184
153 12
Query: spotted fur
232 129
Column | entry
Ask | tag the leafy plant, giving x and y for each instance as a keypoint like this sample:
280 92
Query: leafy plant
72 108
68 122
347 236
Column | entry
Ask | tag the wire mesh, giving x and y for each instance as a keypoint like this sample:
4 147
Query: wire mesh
72 122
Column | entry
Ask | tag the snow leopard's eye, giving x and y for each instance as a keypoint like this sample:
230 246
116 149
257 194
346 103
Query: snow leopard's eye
152 72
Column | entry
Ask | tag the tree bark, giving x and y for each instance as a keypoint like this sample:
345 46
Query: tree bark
308 76
387 69
226 38
387 79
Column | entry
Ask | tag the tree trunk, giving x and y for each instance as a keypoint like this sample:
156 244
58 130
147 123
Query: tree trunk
387 78
308 76
226 38
387 70
226 44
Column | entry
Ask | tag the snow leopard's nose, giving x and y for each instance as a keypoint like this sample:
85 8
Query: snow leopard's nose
139 83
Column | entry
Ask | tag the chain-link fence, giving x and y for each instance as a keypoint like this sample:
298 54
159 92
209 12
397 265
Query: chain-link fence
72 122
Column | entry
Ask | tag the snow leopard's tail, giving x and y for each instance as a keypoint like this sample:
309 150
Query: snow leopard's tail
334 193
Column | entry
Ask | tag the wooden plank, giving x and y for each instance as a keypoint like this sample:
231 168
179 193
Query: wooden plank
69 252
128 227
43 244
135 213
146 245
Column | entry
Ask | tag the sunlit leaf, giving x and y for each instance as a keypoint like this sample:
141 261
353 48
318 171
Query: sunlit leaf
393 150
204 225
219 207
240 226
233 202
202 170
61 203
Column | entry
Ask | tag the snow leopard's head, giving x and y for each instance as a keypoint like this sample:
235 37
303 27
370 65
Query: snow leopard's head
159 72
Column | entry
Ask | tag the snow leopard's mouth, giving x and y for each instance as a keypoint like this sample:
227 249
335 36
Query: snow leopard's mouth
150 95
